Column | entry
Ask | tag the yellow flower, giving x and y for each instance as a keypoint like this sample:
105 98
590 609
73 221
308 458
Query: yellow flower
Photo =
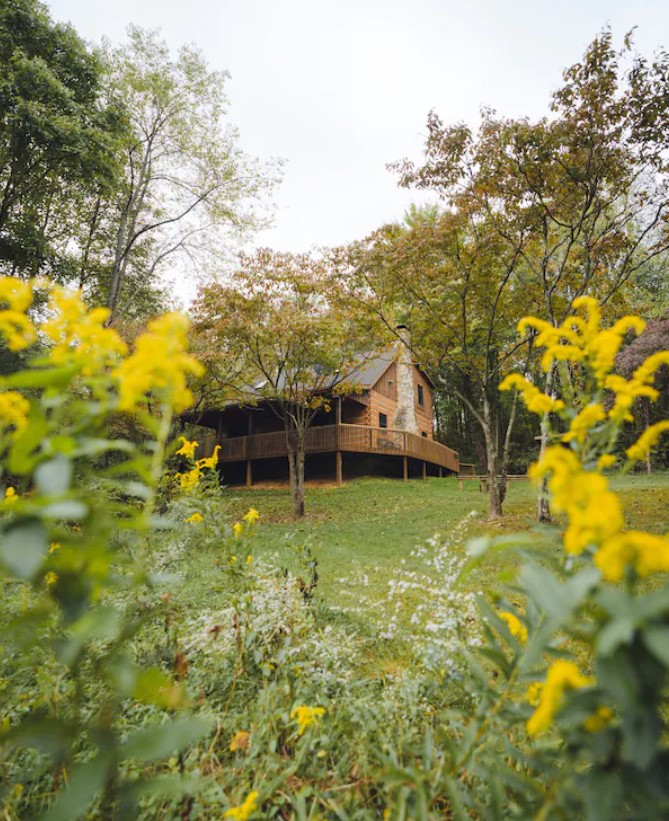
11 495
598 720
79 334
50 578
240 741
188 448
15 294
158 365
211 461
245 810
516 627
195 519
581 339
647 441
232 560
306 716
534 399
15 326
582 423
533 695
593 511
607 460
249 559
238 529
626 393
594 522
645 552
54 546
251 516
14 410
190 480
561 677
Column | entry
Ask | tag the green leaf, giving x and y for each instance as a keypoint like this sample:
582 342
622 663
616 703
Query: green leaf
53 478
22 457
47 378
616 632
171 737
656 639
102 623
86 781
70 509
478 547
152 686
23 547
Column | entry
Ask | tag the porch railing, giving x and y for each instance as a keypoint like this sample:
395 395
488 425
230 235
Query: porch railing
348 438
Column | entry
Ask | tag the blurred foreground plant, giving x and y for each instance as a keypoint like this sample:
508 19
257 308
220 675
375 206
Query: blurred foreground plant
74 537
570 721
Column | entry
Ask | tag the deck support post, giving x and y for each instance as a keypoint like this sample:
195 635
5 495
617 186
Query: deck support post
441 472
405 461
424 469
340 472
249 473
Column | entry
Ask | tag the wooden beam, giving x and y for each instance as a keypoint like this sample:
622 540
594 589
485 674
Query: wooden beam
424 469
340 468
249 473
441 472
406 467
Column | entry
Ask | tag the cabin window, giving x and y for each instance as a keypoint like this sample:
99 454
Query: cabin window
424 435
421 396
383 420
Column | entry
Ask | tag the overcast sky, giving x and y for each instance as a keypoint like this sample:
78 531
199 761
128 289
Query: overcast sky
339 88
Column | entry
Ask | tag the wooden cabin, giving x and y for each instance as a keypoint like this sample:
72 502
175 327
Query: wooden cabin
383 427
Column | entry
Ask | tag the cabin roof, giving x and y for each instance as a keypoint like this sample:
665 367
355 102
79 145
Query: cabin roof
370 370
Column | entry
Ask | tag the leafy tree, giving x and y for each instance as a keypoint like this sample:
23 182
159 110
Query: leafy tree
459 289
187 186
537 214
59 137
278 334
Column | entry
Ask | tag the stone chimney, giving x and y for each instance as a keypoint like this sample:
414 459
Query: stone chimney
405 415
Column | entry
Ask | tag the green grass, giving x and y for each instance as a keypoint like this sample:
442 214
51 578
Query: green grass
367 526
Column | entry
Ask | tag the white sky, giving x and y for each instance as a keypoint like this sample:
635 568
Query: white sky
338 88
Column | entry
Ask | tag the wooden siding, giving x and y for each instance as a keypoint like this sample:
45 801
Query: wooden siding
423 413
348 438
387 383
381 404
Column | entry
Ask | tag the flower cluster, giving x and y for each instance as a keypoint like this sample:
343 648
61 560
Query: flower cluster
515 625
191 479
576 487
79 335
14 410
582 339
245 810
561 676
306 716
158 365
16 298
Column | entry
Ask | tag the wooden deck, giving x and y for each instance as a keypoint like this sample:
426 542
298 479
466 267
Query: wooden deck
342 438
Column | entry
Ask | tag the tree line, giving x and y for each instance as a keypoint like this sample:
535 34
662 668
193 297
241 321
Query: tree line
117 163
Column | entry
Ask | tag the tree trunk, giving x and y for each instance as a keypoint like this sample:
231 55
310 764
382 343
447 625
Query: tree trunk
492 457
295 443
645 407
543 510
506 454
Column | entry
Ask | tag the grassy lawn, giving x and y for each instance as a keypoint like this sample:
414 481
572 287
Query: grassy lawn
363 530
